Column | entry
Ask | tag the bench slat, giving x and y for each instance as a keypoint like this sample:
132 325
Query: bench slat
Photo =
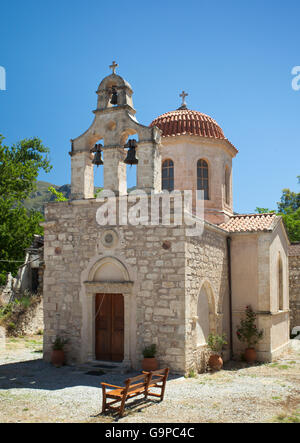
137 378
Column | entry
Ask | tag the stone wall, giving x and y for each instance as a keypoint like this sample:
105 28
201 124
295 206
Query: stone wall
155 260
6 291
27 320
32 321
2 338
207 267
294 280
165 267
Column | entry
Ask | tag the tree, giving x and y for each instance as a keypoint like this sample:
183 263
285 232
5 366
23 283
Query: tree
289 202
263 210
292 223
19 168
59 196
289 209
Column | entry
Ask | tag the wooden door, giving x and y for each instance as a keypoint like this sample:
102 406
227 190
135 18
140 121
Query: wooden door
109 327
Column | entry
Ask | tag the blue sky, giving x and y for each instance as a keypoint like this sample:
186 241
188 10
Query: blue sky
234 58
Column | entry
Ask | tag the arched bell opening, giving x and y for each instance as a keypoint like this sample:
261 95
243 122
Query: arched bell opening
97 161
110 96
114 91
129 140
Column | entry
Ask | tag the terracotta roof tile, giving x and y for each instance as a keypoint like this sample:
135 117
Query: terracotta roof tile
188 122
294 250
250 223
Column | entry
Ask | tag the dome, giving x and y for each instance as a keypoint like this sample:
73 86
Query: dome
184 121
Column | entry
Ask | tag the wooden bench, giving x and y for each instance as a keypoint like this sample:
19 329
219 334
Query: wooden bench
158 380
134 387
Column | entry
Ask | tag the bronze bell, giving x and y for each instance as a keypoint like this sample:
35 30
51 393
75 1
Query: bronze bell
114 97
131 154
97 160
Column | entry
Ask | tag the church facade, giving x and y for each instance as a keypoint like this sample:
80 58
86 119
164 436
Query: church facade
114 288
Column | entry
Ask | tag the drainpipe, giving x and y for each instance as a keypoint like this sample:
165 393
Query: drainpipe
230 294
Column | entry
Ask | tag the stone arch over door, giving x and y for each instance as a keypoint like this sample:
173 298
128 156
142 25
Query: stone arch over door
108 275
206 314
108 269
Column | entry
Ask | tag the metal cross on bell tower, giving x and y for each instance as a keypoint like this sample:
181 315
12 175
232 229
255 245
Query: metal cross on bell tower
113 67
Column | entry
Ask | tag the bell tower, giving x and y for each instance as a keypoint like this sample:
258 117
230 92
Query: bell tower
114 122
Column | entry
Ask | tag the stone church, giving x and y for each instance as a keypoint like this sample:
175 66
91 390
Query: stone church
114 289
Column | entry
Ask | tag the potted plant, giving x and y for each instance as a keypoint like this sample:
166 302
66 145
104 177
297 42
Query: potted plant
216 343
58 354
248 333
149 362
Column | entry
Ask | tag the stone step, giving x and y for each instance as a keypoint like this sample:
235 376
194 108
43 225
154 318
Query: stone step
97 367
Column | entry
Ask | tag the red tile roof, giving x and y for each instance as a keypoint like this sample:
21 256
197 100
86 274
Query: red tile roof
294 250
250 223
185 121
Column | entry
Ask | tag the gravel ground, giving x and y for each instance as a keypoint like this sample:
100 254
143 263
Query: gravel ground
34 391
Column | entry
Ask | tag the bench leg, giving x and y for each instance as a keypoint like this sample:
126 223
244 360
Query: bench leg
103 400
121 413
146 394
162 392
164 385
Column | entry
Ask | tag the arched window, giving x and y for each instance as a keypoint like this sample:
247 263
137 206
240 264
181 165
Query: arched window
280 284
227 185
168 175
202 178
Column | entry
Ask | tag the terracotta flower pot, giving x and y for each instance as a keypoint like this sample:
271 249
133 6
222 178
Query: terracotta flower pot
215 362
149 364
58 358
250 355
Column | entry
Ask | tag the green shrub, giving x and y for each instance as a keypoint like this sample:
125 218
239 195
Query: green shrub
192 374
10 313
59 343
5 312
149 351
11 326
247 331
216 342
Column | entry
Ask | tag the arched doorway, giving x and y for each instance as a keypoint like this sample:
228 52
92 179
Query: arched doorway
109 327
109 313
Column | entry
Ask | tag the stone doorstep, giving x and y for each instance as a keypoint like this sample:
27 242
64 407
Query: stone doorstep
105 366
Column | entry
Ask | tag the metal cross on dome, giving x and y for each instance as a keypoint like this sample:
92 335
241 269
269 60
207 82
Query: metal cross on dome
183 95
113 66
